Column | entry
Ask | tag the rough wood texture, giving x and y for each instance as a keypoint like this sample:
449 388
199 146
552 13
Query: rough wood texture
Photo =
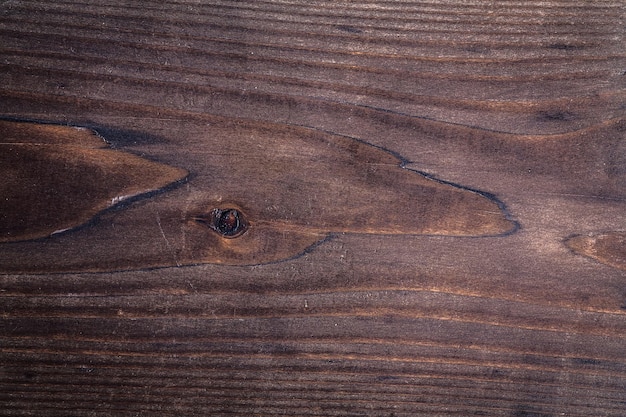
524 101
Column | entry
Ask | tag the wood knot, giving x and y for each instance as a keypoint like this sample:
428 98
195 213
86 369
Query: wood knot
228 222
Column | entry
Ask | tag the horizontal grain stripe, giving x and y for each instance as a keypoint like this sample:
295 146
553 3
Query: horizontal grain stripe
353 303
92 87
338 328
253 17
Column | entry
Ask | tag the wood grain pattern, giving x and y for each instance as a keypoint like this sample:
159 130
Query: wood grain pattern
57 178
293 191
522 100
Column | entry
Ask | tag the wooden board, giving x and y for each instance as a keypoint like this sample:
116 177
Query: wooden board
317 120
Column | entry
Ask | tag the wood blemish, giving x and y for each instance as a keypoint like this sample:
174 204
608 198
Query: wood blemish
228 222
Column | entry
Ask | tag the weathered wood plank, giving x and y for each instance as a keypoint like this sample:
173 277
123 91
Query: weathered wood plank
523 101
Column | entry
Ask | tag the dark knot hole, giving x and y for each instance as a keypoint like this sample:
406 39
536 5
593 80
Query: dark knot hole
227 222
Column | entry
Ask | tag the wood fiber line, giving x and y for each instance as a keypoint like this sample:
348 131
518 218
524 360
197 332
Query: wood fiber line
322 114
339 329
407 400
439 13
288 79
364 381
402 401
425 98
216 19
425 24
393 386
533 72
237 26
540 372
430 377
377 401
555 145
466 58
317 9
432 391
475 95
211 83
418 353
355 304
446 43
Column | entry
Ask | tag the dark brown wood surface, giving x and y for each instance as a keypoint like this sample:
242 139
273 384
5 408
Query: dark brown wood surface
371 311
